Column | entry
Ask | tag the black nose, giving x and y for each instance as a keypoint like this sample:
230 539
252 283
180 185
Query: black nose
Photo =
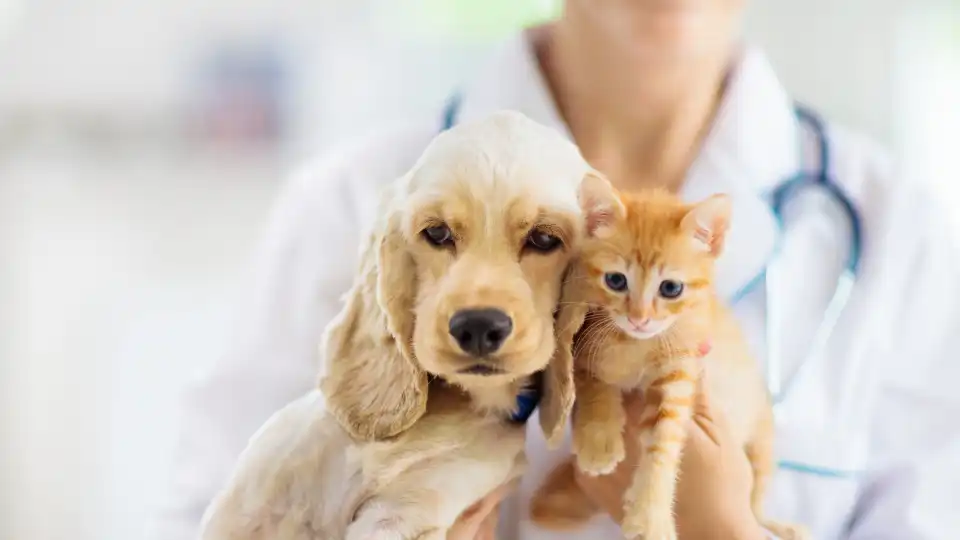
480 331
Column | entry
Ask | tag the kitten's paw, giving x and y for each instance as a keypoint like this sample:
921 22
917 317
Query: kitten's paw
599 451
787 531
650 526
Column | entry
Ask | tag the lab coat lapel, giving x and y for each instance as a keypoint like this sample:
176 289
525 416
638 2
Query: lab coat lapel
751 147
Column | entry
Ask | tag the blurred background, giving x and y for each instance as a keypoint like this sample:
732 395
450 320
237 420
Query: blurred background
142 143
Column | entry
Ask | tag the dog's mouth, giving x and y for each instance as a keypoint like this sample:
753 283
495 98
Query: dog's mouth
482 369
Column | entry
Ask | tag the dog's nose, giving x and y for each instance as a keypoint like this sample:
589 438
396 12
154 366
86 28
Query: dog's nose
480 331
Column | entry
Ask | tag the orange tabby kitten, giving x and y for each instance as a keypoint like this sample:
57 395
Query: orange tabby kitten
652 321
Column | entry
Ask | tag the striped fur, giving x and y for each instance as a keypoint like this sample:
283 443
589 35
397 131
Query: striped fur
637 338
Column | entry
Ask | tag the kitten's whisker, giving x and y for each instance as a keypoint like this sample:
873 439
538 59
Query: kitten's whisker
585 337
591 338
604 330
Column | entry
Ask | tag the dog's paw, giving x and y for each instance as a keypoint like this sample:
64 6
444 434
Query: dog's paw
650 526
432 534
378 534
371 526
599 451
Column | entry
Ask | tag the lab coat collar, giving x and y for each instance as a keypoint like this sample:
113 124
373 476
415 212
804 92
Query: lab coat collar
752 146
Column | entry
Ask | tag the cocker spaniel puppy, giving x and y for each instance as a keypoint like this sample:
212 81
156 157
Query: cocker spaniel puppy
451 316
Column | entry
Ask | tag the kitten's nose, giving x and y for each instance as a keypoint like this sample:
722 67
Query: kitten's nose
639 324
480 332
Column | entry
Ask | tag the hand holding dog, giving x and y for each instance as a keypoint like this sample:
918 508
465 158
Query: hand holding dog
479 522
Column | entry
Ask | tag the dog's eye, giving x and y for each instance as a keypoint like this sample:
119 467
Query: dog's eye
438 235
542 241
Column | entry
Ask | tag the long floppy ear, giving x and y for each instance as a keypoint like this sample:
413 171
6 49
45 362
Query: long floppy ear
373 384
600 207
600 204
707 222
558 389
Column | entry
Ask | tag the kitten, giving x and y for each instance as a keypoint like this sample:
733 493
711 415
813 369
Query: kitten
653 322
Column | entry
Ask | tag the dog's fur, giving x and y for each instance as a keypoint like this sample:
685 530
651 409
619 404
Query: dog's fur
406 440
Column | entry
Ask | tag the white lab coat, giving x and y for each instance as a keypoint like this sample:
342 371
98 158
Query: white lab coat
882 398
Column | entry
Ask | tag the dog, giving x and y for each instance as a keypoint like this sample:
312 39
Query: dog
451 317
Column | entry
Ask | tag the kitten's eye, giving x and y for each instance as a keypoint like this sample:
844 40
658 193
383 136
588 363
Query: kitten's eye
670 288
438 235
616 281
542 241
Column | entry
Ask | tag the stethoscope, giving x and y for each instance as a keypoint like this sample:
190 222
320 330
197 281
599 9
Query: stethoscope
769 277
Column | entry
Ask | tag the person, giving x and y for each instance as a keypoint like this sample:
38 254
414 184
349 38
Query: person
662 94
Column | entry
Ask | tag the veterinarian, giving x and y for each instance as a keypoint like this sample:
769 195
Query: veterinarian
864 369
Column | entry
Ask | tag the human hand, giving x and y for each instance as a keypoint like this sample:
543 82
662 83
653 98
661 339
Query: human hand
713 493
479 522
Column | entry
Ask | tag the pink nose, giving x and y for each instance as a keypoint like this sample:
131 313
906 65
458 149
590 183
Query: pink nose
639 324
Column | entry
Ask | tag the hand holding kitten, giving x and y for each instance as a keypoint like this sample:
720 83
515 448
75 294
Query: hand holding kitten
713 494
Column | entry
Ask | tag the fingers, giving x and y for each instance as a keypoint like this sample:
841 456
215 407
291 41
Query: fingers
474 523
634 405
710 419
488 528
479 522
702 404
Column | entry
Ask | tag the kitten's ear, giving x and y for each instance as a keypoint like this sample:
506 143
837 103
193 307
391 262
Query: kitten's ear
707 222
599 202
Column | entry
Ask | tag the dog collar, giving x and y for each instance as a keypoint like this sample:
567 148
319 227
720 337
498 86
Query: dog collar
527 400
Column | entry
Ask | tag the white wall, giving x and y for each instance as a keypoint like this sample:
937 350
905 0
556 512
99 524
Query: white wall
121 277
835 55
926 89
838 55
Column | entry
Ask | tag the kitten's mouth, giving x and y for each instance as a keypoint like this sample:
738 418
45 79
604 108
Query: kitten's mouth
637 334
645 331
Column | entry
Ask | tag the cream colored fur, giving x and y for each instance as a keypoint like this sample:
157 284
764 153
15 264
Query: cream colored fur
400 439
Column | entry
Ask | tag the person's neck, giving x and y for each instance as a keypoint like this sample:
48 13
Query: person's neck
639 120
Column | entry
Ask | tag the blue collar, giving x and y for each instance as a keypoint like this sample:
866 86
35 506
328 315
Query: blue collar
528 400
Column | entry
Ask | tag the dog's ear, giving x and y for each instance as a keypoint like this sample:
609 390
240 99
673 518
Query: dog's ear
558 388
600 208
373 384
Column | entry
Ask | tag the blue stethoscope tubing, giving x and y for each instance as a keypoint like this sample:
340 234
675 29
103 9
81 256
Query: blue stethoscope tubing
779 198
